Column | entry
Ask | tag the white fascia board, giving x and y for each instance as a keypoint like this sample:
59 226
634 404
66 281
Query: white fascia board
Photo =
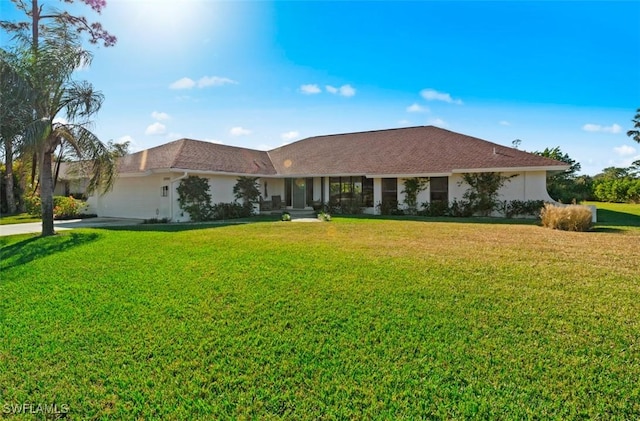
204 172
421 175
134 174
511 169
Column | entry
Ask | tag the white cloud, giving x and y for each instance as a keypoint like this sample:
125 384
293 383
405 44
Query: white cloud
184 83
215 81
289 136
125 138
504 123
344 90
597 128
133 145
203 82
417 108
239 131
310 89
433 95
624 150
437 122
160 116
155 129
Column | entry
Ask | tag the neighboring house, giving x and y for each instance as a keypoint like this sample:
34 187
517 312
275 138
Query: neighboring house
72 180
369 167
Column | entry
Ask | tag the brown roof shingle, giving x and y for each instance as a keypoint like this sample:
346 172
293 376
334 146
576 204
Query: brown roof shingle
410 151
188 154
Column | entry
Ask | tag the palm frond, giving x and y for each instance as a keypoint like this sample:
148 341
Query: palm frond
102 162
36 132
81 101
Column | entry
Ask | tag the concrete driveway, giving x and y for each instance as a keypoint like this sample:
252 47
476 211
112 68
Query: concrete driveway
36 227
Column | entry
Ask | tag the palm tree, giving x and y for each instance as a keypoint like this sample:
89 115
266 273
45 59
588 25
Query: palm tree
62 109
635 134
15 114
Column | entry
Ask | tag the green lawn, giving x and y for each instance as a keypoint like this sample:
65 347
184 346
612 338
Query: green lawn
617 214
21 218
356 318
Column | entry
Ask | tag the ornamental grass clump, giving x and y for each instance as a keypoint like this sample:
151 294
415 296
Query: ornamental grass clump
567 218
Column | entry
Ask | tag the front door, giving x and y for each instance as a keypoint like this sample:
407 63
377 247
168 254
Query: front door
299 193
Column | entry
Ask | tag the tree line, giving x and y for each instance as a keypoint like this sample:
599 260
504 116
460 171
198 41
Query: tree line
612 184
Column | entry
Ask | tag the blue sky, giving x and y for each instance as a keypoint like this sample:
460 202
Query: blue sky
259 74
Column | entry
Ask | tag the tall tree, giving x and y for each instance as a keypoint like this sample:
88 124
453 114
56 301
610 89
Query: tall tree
15 114
53 52
63 108
37 14
562 185
635 134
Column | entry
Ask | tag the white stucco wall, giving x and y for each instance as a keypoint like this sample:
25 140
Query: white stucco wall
530 185
131 197
422 197
141 197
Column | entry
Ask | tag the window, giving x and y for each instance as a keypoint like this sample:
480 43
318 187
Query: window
367 192
390 191
439 189
351 190
288 185
165 191
309 184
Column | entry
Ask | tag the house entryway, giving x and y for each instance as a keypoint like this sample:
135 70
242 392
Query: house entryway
299 191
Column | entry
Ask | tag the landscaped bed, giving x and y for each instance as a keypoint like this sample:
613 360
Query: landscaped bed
354 318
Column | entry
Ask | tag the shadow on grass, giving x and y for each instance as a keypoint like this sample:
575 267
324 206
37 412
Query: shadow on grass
448 219
607 217
25 251
610 230
187 226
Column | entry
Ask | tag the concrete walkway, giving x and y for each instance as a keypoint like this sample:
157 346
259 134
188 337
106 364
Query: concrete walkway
36 227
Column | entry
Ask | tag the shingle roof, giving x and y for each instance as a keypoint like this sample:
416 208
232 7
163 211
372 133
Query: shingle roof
412 151
188 154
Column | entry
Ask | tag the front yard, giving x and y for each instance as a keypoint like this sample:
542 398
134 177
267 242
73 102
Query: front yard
355 318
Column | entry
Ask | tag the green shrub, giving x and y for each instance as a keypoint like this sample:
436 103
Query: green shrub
63 207
523 208
413 187
483 192
156 221
194 198
234 210
323 216
286 216
67 207
567 218
437 208
619 190
389 208
33 205
345 207
460 209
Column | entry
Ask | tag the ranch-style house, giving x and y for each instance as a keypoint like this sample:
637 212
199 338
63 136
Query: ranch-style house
369 167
